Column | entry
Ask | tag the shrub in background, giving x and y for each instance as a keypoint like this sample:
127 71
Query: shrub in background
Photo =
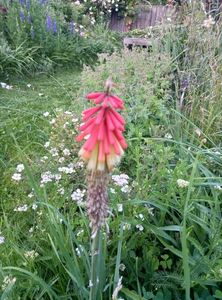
46 31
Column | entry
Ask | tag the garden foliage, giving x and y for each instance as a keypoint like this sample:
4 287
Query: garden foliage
163 240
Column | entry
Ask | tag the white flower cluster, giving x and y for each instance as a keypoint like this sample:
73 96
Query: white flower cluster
122 181
67 170
8 280
49 177
5 86
32 254
18 176
78 195
21 208
182 183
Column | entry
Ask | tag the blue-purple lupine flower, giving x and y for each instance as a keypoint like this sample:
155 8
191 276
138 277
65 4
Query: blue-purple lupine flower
22 2
54 27
49 25
21 16
28 5
71 27
29 19
42 2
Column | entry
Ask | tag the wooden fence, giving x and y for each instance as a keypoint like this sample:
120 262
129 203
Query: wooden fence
147 16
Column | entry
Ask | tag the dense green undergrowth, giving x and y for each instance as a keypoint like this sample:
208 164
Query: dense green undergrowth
163 240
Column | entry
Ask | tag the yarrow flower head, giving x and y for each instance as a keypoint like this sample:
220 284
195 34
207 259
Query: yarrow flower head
182 183
102 129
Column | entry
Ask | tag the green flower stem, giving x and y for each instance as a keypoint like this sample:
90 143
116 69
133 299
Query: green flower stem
94 276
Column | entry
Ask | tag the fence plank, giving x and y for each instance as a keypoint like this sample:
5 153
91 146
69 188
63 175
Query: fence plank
148 16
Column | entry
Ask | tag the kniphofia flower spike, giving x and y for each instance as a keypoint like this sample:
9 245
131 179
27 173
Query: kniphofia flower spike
103 130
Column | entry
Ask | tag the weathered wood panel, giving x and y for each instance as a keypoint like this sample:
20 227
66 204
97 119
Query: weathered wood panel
147 16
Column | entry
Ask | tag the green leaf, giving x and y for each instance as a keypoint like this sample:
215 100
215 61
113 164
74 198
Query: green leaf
131 294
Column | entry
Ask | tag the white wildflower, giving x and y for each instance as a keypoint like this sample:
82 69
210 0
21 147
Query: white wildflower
54 152
140 227
29 85
46 114
168 136
141 216
46 177
8 280
218 187
34 206
41 94
182 183
112 191
79 250
126 189
61 160
66 170
2 239
79 165
20 168
31 229
74 120
61 191
6 86
31 195
120 207
47 144
17 176
78 195
66 152
126 226
69 113
120 180
198 132
122 267
57 177
52 121
21 208
32 254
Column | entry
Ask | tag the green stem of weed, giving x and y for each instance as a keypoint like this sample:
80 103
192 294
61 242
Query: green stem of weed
185 249
93 284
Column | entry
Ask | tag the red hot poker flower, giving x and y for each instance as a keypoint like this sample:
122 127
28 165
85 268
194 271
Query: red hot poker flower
102 129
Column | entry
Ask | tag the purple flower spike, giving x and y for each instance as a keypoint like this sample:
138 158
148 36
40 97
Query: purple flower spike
21 16
28 5
54 27
42 2
22 2
49 25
